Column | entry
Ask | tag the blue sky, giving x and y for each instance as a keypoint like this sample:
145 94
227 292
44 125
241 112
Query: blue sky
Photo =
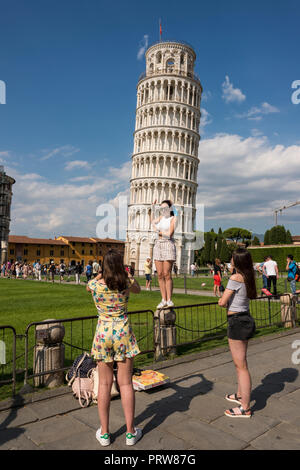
66 130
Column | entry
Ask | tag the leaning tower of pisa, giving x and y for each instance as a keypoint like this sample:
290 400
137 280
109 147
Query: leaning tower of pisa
165 156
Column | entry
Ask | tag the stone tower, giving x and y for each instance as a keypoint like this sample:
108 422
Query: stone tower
6 183
165 156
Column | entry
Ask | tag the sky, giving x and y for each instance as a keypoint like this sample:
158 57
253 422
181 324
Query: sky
71 69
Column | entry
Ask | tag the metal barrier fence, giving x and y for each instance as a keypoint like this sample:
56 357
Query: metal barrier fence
8 356
193 324
206 321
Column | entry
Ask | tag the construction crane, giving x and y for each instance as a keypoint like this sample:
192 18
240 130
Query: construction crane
284 207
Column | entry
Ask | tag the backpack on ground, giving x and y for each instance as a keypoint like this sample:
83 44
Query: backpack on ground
84 379
78 378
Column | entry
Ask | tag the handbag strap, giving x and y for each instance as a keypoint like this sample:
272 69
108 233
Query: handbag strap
77 367
86 396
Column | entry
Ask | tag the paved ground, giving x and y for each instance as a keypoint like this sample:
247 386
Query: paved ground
186 414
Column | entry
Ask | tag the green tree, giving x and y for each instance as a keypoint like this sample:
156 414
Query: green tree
207 246
212 254
219 245
267 238
236 233
277 235
289 239
255 241
225 254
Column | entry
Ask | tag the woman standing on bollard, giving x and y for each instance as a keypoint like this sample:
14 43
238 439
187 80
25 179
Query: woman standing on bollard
164 252
241 327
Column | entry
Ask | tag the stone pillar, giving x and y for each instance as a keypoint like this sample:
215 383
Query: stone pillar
288 310
164 332
3 256
137 259
49 354
151 251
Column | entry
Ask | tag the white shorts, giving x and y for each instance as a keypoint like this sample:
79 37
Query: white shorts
164 250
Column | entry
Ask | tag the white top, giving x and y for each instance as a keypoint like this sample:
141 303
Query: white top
239 301
164 224
270 267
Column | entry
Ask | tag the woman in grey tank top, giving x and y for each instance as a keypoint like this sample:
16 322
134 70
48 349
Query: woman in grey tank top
240 289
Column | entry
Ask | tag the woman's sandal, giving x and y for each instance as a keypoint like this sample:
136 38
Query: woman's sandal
235 398
243 414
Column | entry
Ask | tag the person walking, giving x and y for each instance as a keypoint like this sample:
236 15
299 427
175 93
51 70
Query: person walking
114 340
148 271
193 269
3 267
270 270
52 271
78 271
62 271
240 289
44 271
264 277
217 277
164 252
89 271
175 269
25 271
291 267
38 271
95 268
17 270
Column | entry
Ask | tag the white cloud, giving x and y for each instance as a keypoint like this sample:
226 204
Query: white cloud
255 113
65 151
5 154
77 164
142 48
44 209
206 95
246 178
231 94
205 118
256 132
240 180
79 179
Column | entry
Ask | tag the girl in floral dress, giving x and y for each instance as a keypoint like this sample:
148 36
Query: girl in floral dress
114 340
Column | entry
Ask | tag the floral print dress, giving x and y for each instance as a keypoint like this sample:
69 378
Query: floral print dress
114 339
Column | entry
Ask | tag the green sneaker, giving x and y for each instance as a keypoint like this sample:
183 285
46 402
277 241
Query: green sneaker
104 439
132 439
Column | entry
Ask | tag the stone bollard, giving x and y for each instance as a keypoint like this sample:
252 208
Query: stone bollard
49 354
288 310
164 332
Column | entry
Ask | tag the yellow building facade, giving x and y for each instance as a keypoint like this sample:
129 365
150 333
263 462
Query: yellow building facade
68 250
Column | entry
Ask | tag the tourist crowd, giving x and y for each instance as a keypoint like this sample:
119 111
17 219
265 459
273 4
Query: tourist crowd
39 271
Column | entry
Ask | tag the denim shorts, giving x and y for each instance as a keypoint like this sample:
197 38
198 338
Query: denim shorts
241 326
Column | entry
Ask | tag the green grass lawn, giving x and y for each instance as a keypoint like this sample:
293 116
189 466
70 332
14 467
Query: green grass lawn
23 302
192 283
